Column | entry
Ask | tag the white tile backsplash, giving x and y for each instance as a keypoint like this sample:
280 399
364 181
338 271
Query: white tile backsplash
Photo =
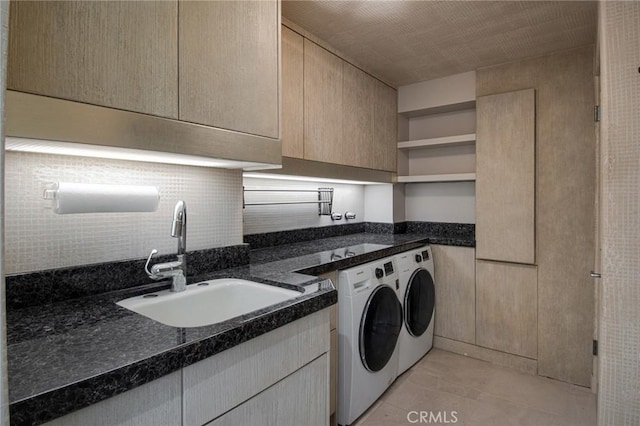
37 239
282 217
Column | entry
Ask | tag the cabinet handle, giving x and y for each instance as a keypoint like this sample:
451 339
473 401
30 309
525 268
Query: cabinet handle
595 274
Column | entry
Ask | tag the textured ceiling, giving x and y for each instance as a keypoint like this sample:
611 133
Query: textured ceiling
407 41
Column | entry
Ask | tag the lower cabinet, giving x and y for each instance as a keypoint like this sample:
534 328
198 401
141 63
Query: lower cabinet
507 307
216 385
156 403
280 377
455 284
298 399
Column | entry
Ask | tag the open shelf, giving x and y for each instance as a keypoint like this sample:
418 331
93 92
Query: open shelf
438 142
449 177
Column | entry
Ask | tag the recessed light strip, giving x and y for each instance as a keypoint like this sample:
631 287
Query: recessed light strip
306 179
114 153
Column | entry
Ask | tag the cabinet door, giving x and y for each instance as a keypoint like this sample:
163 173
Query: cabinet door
247 369
385 130
507 308
292 94
455 283
323 112
358 90
120 54
333 372
299 399
229 65
505 177
156 403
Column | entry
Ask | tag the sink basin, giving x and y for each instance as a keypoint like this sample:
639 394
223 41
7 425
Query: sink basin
208 302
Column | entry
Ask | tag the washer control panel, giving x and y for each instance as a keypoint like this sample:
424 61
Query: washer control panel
388 268
379 273
385 270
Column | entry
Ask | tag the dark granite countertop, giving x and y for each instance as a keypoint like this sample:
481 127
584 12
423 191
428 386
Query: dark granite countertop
70 354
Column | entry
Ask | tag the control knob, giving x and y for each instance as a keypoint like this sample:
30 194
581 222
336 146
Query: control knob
418 258
379 273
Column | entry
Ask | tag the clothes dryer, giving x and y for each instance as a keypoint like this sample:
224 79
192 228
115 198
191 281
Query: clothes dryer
416 293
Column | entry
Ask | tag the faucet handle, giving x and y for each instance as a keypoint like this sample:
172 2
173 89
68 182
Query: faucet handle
146 266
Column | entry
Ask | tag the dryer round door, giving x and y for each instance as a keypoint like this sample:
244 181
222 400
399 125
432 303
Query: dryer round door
379 328
419 302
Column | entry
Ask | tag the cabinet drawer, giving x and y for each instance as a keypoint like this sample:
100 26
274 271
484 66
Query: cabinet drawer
217 384
299 399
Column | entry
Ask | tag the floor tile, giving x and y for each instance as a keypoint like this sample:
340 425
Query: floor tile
384 414
447 388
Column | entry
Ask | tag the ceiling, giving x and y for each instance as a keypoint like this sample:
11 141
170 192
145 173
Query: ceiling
405 41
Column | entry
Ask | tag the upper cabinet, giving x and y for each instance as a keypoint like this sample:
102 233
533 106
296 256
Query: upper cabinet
292 94
358 93
385 126
505 183
81 71
369 123
332 111
323 110
121 54
229 65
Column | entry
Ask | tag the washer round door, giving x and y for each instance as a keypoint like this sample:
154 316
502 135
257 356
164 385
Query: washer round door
419 302
379 328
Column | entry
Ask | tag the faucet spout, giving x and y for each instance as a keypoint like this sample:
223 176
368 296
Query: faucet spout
179 226
176 270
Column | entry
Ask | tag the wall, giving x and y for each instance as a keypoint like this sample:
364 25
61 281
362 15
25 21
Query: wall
4 29
441 202
565 202
38 239
619 326
379 203
261 219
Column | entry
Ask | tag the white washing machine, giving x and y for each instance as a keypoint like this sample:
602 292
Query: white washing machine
369 324
417 295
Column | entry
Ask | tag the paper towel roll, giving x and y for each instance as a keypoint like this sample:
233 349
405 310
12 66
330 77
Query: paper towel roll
98 198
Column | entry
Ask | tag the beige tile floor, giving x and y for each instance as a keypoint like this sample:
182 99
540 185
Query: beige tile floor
480 394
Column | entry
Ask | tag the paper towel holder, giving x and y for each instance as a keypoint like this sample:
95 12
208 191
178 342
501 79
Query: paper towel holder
100 198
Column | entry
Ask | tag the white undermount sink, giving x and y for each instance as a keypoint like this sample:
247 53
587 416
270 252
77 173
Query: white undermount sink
208 302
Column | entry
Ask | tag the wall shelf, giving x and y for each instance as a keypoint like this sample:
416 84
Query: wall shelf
437 147
448 177
438 142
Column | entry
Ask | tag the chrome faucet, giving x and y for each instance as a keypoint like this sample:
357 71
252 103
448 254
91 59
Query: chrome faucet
177 269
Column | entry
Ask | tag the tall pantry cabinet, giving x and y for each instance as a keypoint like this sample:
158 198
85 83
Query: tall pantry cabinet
506 293
535 298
